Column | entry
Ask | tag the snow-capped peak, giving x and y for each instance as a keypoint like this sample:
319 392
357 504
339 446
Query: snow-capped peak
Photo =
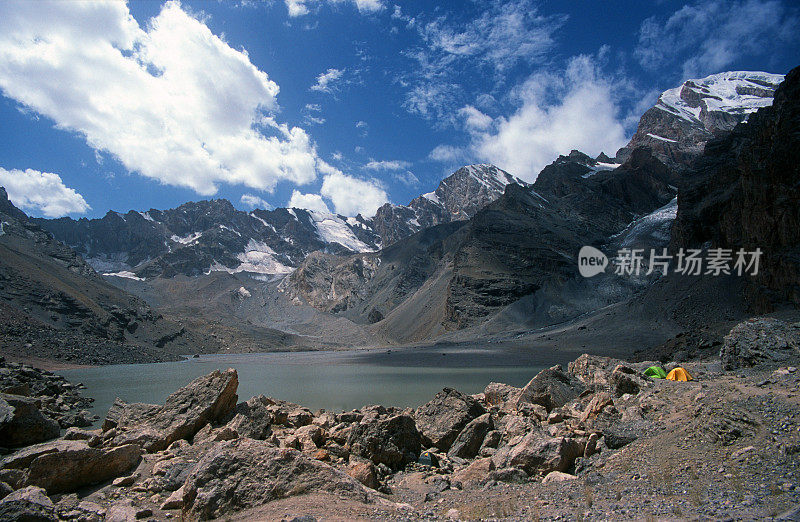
735 92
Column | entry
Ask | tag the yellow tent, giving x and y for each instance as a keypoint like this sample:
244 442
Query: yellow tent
679 374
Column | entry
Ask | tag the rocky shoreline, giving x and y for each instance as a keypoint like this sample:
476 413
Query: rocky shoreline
596 440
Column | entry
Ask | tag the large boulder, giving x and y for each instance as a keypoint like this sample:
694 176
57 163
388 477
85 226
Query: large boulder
30 504
253 419
245 473
21 422
759 340
442 419
468 442
499 394
393 441
551 388
70 469
593 370
207 399
626 380
539 453
22 458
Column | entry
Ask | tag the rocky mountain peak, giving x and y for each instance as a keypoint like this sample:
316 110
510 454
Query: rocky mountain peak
684 118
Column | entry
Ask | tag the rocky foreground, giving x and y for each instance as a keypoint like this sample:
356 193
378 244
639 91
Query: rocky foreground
596 440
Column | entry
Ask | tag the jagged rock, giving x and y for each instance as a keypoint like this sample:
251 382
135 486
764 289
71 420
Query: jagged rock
175 500
365 473
122 511
393 441
551 388
5 489
626 380
253 418
22 458
501 395
538 453
759 340
469 441
244 473
442 419
30 504
599 401
70 469
21 422
207 399
477 471
593 369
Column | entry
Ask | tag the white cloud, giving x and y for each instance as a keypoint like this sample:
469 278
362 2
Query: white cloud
303 7
474 120
387 165
503 36
447 153
363 128
351 196
326 80
337 156
253 201
706 37
146 97
308 202
41 192
406 178
556 113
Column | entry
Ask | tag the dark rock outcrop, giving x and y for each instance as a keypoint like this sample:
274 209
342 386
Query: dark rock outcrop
30 504
21 422
390 440
551 388
442 418
759 340
244 473
744 193
207 399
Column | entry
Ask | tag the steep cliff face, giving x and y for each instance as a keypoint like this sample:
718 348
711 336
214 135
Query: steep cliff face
457 198
53 305
677 128
744 192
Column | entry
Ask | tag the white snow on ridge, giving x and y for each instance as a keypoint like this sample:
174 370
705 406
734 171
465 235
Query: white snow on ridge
257 258
655 225
126 274
654 136
146 216
722 92
332 229
186 240
431 196
599 167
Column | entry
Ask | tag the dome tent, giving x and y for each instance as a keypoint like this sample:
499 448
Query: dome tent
679 374
656 372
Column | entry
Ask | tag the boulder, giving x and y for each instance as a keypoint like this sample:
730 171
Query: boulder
468 442
30 504
477 471
442 419
557 476
364 472
244 473
599 401
122 511
626 380
759 340
393 441
551 388
538 453
22 458
207 399
593 370
498 394
252 419
175 500
21 422
69 469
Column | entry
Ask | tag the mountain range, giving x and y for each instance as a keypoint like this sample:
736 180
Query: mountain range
485 255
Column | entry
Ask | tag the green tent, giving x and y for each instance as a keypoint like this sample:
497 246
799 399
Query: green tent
656 372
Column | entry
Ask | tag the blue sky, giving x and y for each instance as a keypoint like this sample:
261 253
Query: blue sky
339 104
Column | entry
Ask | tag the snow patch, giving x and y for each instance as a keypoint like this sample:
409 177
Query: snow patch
146 216
668 140
332 229
126 274
187 240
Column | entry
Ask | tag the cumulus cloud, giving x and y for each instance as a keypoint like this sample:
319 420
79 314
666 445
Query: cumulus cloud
555 114
308 202
303 7
41 193
387 165
705 37
326 80
447 153
144 95
253 201
351 196
474 120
